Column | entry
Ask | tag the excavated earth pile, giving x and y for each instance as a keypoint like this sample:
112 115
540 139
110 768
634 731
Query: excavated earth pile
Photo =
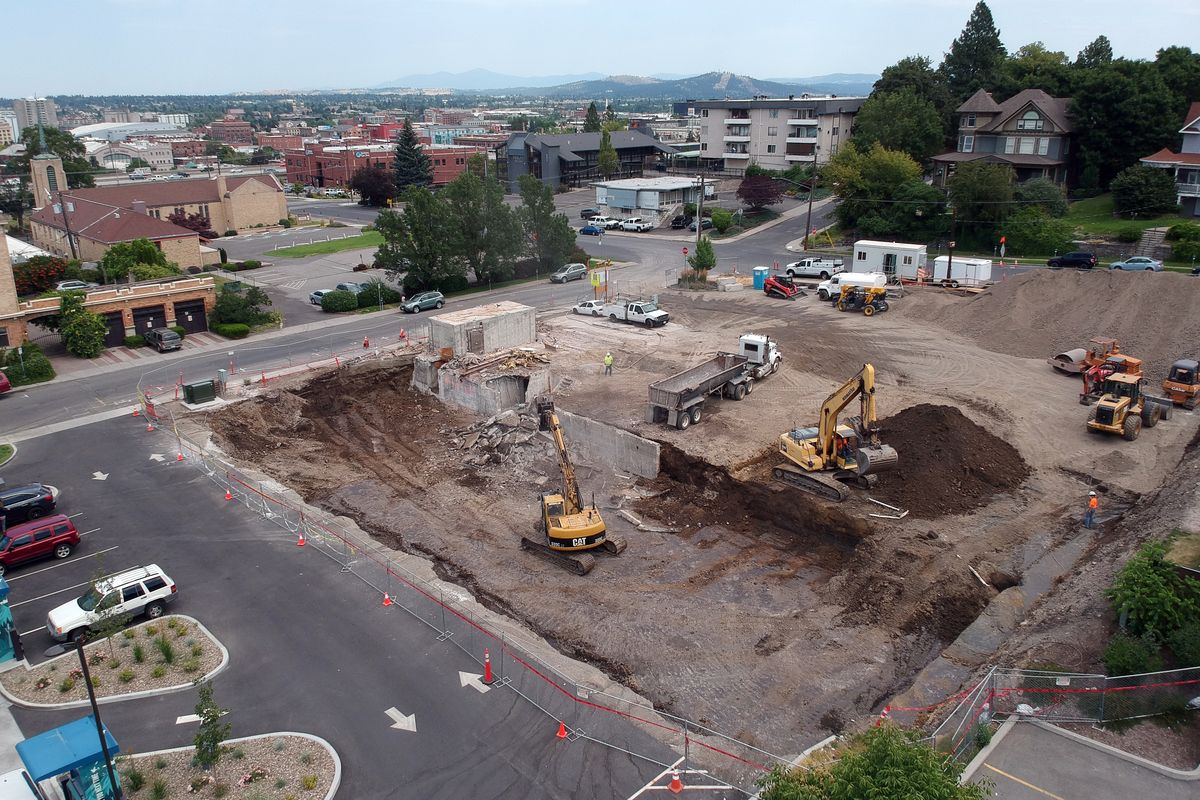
1043 312
948 464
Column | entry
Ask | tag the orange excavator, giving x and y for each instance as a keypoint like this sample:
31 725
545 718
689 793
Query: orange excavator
1094 376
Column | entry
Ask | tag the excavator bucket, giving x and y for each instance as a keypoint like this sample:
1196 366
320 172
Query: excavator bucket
545 407
875 459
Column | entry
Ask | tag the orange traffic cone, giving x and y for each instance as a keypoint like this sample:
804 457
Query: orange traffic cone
149 425
387 600
676 785
137 412
488 680
302 541
562 730
179 456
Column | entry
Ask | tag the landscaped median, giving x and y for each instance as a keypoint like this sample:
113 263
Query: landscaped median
359 242
163 655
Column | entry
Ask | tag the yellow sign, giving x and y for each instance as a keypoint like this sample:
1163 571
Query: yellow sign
595 277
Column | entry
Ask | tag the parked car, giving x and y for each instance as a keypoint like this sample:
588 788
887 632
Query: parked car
593 307
1078 259
705 224
353 288
315 297
571 272
423 302
144 590
637 224
52 536
588 213
591 230
5 383
28 501
681 221
608 223
1138 263
163 339
74 286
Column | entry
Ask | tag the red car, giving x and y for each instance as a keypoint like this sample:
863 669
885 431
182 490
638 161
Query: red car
5 384
50 536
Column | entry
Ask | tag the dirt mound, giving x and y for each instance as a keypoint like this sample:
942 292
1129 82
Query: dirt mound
692 493
1043 312
948 464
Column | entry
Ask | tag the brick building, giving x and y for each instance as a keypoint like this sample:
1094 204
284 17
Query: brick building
231 131
280 141
187 149
333 164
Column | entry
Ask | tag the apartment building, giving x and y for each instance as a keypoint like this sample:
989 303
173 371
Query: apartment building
231 130
773 133
332 164
30 111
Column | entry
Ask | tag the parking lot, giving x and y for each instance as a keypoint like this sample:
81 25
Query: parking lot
311 649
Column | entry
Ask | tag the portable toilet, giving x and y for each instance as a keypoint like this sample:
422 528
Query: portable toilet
760 277
71 755
10 640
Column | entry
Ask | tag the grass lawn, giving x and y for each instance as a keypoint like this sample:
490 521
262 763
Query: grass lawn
1095 216
360 242
748 221
6 452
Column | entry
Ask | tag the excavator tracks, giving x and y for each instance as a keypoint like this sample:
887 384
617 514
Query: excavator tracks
579 563
816 483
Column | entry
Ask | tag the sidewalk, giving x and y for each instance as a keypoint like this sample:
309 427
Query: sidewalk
10 737
790 214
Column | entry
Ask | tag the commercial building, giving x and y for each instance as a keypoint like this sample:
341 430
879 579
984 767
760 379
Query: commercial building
573 159
30 111
76 227
120 131
773 133
1031 132
652 198
232 131
1185 165
332 164
280 141
448 134
119 155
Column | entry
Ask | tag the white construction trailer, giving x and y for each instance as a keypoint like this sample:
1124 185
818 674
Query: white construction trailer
963 272
894 259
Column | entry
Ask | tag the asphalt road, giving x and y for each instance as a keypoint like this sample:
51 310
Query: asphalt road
311 649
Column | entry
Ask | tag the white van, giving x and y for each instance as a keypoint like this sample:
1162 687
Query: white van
827 290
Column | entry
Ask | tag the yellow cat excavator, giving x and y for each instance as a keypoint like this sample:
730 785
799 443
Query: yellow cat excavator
824 458
571 529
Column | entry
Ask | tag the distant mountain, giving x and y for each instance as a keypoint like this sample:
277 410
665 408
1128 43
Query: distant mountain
848 83
482 80
632 87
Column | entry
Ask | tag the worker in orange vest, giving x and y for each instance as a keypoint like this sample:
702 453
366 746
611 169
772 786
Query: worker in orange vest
1090 514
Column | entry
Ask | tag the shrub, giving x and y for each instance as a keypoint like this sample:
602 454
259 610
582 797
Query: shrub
129 633
39 274
135 341
67 685
231 330
158 671
224 255
286 222
279 745
139 655
238 753
179 330
722 220
230 232
1130 655
136 779
191 665
126 676
306 758
160 763
30 367
337 301
220 790
159 790
197 650
1186 251
1184 231
309 782
280 783
1151 594
165 650
1185 643
95 681
194 270
1129 235
1143 191
374 292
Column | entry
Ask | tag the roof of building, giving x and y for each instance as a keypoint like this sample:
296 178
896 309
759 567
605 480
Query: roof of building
823 104
1167 157
107 224
21 251
1191 123
119 130
656 184
1015 159
979 103
169 193
570 145
1053 108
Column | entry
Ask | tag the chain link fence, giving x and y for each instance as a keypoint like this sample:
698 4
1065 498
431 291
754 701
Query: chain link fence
517 662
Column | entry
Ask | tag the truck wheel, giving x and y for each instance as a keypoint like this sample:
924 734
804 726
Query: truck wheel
883 306
1150 415
613 317
696 414
649 323
822 294
749 385
774 367
739 391
683 421
868 311
824 275
1132 427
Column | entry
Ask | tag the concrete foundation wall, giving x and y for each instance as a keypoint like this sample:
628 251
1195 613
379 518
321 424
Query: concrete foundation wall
603 444
491 395
505 325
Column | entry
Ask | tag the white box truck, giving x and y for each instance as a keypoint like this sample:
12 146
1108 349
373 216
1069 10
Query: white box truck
894 259
963 272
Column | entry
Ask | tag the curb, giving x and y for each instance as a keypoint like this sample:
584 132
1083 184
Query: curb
983 755
117 698
1169 772
11 455
337 761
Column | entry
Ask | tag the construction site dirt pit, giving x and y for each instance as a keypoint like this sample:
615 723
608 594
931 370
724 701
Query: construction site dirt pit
742 605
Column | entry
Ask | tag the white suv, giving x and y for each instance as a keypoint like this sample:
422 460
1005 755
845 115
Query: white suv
608 223
144 590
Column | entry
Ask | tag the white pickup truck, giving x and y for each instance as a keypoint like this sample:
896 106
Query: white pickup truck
638 312
637 225
814 267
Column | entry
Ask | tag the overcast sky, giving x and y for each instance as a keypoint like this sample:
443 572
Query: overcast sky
217 46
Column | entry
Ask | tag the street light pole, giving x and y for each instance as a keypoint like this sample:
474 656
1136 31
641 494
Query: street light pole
87 682
808 219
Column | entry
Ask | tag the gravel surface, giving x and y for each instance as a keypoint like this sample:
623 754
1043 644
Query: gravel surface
1176 746
262 767
114 665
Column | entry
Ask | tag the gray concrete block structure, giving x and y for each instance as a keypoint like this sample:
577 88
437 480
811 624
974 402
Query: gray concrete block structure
484 329
600 443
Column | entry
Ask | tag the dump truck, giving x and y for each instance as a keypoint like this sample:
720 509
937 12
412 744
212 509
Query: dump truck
679 400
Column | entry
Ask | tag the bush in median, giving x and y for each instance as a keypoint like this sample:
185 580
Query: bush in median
179 330
338 300
232 330
374 293
135 341
28 366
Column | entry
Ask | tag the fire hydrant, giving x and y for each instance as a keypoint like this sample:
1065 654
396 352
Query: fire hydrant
366 343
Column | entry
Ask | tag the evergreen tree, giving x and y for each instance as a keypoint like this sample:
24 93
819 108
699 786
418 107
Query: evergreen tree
412 166
607 161
1097 54
704 258
592 124
976 58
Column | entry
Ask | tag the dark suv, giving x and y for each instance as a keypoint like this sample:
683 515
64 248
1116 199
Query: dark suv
163 339
1078 260
29 501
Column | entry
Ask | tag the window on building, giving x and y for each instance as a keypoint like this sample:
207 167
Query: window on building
52 179
834 132
861 255
3 337
966 144
774 113
1043 146
772 131
704 145
770 148
832 149
1010 145
1027 145
179 210
704 112
1030 121
204 211
967 121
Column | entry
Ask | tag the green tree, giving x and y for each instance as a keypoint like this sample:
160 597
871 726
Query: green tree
110 620
592 123
976 57
722 219
1151 596
242 308
981 194
758 191
15 200
1097 54
62 144
1030 231
118 261
916 213
412 164
902 121
1035 67
487 232
419 242
477 165
1044 193
866 180
1179 69
374 185
917 75
607 161
1143 191
212 732
611 125
549 233
883 762
137 163
704 258
82 331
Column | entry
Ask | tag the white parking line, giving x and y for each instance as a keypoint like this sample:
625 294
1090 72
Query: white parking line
32 630
61 563
48 594
73 516
93 530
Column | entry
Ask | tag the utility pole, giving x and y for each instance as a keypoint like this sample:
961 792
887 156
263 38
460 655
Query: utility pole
62 202
700 212
87 682
950 246
808 220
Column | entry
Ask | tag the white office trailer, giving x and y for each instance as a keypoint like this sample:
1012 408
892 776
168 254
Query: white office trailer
894 259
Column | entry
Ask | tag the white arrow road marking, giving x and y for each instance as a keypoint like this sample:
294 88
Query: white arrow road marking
99 476
402 722
474 681
157 457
